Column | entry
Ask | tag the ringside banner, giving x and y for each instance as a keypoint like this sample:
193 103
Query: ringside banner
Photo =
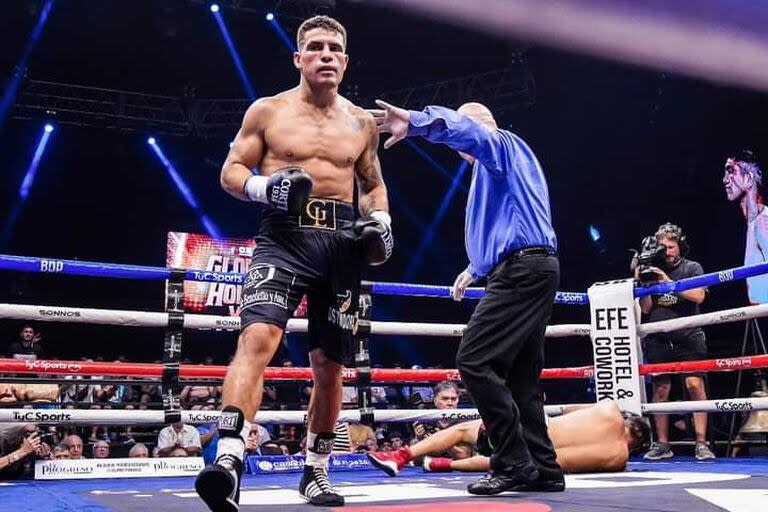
615 344
201 252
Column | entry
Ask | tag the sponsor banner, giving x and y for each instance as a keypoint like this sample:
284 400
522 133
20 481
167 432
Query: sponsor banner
294 463
117 468
200 252
615 344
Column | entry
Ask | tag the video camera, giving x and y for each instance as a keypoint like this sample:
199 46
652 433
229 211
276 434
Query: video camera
651 254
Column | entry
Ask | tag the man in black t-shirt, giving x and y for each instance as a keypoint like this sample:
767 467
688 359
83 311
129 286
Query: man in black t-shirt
28 345
680 345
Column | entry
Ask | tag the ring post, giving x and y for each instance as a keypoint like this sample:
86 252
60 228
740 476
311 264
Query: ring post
616 345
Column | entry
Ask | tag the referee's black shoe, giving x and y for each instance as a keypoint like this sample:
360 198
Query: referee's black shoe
496 482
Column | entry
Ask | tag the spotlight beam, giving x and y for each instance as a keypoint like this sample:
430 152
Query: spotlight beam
433 163
233 53
280 31
26 184
183 188
429 236
9 95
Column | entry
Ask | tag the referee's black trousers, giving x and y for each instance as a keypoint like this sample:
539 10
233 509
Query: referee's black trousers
501 356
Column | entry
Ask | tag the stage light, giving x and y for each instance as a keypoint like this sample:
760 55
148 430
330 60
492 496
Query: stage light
233 53
214 7
184 189
14 81
280 31
594 233
26 185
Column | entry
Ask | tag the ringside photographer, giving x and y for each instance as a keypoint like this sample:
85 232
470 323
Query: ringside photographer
663 259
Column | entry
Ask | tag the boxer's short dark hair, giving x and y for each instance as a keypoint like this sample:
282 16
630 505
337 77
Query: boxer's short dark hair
324 22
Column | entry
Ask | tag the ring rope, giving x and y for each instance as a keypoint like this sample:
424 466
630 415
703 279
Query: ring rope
196 321
97 269
83 368
157 417
120 271
379 375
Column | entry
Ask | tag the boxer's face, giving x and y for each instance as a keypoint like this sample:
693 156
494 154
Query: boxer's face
735 180
27 334
321 58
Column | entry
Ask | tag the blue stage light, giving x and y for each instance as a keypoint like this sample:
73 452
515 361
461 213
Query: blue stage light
184 189
48 127
235 56
270 16
214 7
594 233
429 236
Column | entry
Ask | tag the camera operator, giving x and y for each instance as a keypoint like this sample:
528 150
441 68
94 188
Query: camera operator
19 446
680 345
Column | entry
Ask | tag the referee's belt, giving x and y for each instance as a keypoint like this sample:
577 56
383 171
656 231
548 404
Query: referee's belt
534 250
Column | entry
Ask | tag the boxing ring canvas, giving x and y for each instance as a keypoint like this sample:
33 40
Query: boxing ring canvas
681 485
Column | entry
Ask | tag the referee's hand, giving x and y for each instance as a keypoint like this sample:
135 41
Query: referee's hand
460 285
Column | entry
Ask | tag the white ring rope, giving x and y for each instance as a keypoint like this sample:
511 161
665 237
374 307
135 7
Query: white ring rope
714 318
194 321
136 417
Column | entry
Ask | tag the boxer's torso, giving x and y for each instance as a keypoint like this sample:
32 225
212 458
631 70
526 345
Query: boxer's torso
326 142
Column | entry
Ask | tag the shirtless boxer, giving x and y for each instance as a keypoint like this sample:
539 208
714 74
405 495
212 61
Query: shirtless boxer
310 146
595 438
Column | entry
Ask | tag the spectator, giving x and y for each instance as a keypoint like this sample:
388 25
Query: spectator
75 445
101 450
28 346
10 393
446 397
198 395
19 443
61 452
257 436
359 435
179 435
209 440
396 440
138 451
179 452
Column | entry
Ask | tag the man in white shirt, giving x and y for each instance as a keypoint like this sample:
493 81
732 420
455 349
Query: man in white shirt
178 435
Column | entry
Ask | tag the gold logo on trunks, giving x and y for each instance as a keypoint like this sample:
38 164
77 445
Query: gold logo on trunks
319 214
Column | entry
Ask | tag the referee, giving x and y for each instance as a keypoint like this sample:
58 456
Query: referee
511 242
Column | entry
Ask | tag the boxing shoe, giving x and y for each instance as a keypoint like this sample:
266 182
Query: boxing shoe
390 462
219 485
437 464
316 489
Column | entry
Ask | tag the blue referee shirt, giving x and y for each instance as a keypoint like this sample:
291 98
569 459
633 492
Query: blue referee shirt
508 204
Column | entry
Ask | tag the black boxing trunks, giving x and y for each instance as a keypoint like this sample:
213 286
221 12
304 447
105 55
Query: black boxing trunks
312 254
484 447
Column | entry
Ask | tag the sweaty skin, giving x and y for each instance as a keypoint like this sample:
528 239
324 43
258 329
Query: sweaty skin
589 439
310 126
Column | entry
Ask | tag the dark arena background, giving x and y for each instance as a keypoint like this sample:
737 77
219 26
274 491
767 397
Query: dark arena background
117 115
